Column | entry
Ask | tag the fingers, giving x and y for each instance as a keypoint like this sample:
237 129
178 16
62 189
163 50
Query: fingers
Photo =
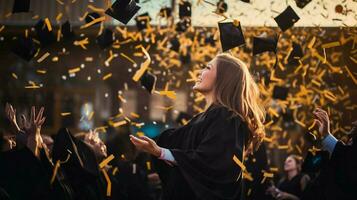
39 115
40 123
138 142
147 139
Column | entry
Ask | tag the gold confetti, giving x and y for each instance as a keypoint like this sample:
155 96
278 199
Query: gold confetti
65 114
107 76
48 24
43 57
109 186
239 163
106 161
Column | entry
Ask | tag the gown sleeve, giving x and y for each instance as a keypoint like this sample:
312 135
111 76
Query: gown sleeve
209 169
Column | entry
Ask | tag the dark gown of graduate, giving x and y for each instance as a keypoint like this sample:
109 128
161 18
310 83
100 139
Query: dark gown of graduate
203 150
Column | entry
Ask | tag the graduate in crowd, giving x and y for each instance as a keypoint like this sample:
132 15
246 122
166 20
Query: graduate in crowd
293 184
337 177
197 160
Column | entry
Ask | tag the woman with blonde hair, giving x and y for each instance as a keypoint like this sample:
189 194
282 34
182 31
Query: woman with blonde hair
203 159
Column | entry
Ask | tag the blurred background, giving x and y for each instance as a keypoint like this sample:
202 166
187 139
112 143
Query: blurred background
84 84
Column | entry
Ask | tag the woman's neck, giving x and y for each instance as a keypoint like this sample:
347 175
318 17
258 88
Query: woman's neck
209 99
292 173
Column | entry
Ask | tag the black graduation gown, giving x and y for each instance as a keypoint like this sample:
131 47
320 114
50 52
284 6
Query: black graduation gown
203 150
23 176
338 179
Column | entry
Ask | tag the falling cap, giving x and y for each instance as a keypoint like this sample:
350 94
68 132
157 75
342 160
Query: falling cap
148 80
287 19
45 35
231 35
262 44
21 6
105 39
184 9
143 21
302 3
67 31
123 10
25 48
165 12
280 92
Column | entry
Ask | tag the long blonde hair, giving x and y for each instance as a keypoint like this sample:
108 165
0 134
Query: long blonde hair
236 89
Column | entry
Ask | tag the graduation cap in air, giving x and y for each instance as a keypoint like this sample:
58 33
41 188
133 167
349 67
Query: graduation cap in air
66 30
142 21
123 10
21 6
295 54
174 44
245 1
45 36
25 48
165 12
263 44
183 25
105 39
287 19
80 157
302 3
184 9
222 7
92 16
185 58
148 80
231 35
183 116
280 92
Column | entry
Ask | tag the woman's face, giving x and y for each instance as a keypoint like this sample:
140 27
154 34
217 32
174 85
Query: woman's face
290 164
207 78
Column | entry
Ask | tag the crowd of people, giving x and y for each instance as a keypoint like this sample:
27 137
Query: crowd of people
29 165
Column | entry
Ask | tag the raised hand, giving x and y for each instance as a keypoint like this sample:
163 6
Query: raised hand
11 116
98 146
146 144
323 122
32 128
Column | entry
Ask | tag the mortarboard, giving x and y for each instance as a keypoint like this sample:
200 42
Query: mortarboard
92 16
148 80
222 7
246 1
123 10
295 54
280 92
262 44
81 156
183 25
174 44
184 9
45 36
185 58
231 35
105 39
287 19
165 12
21 6
25 48
67 31
142 21
302 3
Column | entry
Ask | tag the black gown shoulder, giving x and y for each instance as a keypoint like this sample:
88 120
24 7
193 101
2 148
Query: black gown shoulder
204 150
